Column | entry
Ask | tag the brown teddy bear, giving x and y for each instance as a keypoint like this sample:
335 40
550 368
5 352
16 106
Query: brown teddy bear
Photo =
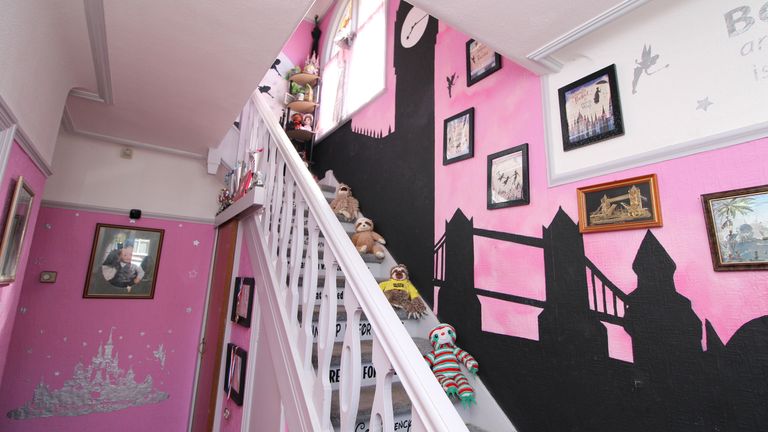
366 240
345 205
401 293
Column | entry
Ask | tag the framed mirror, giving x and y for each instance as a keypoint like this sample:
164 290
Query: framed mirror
15 228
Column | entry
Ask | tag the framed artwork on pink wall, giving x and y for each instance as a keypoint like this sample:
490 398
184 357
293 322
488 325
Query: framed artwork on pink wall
508 178
16 223
459 137
481 61
590 110
124 262
618 205
242 301
737 225
234 384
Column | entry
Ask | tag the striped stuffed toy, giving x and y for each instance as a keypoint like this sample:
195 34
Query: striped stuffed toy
444 360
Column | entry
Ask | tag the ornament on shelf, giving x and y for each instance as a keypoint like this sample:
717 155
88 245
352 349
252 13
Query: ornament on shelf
312 65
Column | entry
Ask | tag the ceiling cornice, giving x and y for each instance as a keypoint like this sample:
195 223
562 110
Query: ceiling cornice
543 55
7 120
97 34
69 126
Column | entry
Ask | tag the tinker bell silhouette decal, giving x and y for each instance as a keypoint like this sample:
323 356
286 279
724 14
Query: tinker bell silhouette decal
647 61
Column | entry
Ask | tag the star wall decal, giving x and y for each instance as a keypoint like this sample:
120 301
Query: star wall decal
703 104
196 243
193 274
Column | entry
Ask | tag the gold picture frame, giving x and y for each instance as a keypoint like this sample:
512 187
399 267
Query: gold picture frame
631 203
16 223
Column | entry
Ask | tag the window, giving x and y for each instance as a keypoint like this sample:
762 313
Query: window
354 61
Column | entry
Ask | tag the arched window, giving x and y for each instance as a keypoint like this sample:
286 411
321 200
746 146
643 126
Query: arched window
353 67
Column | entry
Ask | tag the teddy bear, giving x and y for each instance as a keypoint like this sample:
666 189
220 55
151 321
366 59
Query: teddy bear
345 205
366 240
444 360
401 293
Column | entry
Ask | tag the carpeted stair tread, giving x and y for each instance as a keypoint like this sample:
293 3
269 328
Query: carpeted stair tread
401 403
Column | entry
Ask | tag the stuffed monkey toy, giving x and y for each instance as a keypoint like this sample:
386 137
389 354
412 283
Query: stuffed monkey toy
401 293
444 360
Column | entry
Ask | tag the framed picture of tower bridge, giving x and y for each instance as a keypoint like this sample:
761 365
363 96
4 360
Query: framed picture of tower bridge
590 110
737 224
624 204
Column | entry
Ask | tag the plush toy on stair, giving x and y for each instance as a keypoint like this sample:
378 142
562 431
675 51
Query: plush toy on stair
444 360
345 205
401 293
366 240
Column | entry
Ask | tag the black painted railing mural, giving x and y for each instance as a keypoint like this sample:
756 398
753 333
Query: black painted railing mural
565 380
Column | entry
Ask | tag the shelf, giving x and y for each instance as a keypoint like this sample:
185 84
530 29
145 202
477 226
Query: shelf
248 203
302 106
300 135
303 79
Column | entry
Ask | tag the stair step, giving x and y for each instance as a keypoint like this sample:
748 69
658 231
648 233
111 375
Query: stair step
368 258
327 188
366 351
401 406
340 279
341 314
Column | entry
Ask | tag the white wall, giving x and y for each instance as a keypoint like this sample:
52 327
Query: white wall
662 120
44 52
89 172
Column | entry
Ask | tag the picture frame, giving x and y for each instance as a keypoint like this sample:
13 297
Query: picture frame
736 227
15 230
234 382
48 277
124 262
508 184
242 301
459 137
481 61
590 109
630 203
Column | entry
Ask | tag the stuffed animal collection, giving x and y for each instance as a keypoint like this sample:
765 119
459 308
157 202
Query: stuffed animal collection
344 204
366 240
444 360
401 293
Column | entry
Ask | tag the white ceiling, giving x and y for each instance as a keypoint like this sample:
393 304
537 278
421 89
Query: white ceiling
181 71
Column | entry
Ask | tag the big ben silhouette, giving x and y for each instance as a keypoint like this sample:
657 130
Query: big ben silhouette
392 173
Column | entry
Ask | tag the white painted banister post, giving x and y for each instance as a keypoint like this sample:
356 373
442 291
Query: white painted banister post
309 285
382 416
325 338
351 366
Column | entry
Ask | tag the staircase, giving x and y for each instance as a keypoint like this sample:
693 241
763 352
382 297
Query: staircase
349 364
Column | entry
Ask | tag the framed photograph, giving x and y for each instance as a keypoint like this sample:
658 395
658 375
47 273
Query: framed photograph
508 178
481 61
459 137
242 301
16 223
737 224
590 110
234 384
123 262
619 205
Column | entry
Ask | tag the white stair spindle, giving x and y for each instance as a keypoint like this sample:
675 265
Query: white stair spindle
297 254
351 366
287 225
309 288
279 200
326 336
382 416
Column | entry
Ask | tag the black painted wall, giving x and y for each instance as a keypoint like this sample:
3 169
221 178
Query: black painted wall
393 177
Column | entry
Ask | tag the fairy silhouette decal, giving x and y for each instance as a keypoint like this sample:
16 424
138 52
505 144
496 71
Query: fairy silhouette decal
647 61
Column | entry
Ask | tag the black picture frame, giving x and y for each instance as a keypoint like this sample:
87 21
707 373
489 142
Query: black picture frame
242 301
108 278
609 124
503 169
463 147
478 72
237 360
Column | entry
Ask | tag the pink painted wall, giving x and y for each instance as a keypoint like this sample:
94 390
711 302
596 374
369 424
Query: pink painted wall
57 328
19 164
299 45
508 113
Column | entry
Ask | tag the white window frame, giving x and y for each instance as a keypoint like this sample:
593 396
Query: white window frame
326 54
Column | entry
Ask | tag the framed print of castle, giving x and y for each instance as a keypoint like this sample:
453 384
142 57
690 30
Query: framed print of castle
624 204
590 110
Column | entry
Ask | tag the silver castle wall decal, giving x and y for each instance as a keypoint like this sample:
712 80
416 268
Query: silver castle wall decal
100 387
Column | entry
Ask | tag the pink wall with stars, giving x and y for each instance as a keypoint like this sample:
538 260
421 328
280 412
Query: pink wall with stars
57 328
19 164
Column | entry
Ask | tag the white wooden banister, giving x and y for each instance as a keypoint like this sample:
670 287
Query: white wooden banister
290 193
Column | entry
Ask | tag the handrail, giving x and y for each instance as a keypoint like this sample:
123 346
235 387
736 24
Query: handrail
431 408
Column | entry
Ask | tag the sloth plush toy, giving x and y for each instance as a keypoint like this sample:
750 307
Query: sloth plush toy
366 240
401 293
345 205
